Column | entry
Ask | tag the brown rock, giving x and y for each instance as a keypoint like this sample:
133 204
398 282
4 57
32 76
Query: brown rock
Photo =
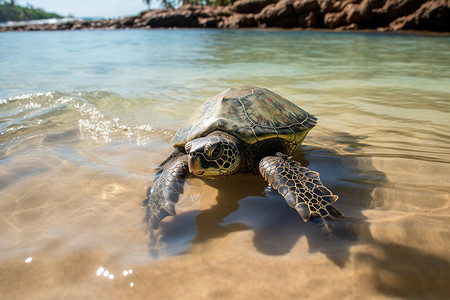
348 27
202 11
280 14
362 14
210 22
238 21
327 6
305 6
224 11
403 23
340 15
432 15
151 13
354 13
307 20
334 20
393 9
127 22
250 6
340 5
171 18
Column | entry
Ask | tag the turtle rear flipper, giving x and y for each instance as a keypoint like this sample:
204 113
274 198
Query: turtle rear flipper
166 189
301 188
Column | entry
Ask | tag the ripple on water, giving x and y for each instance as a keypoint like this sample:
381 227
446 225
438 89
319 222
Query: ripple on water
75 166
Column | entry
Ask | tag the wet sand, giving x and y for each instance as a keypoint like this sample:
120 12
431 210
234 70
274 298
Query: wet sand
75 166
229 239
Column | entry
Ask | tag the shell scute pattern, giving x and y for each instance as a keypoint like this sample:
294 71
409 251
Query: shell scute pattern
212 143
251 114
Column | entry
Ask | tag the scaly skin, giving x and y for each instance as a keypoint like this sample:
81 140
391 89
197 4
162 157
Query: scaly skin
240 131
301 188
166 189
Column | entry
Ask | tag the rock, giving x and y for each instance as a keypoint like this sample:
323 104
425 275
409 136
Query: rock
336 14
432 15
307 20
238 21
363 13
191 7
127 22
334 20
393 9
210 22
305 6
151 13
280 14
348 27
223 11
354 13
201 11
327 6
250 6
171 18
340 5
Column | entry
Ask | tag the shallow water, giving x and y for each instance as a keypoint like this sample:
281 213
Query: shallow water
85 117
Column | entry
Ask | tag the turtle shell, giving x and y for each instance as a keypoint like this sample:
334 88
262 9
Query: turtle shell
251 114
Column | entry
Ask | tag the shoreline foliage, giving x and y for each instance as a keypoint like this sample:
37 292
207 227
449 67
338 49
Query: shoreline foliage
9 11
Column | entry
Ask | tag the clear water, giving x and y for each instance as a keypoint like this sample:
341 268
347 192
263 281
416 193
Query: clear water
85 117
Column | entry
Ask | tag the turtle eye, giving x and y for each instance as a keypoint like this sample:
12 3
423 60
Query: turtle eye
213 151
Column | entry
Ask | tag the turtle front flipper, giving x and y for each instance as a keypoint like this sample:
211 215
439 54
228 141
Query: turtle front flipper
301 188
166 189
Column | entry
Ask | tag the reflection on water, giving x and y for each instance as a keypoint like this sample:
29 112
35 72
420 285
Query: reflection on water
82 134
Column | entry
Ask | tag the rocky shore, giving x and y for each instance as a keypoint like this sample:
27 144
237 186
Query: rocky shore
383 15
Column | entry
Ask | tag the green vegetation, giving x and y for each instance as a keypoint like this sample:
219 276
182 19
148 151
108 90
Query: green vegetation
9 11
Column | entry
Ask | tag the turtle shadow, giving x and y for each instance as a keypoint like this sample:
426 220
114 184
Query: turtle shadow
244 203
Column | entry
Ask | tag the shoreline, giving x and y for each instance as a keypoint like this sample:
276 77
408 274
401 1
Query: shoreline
422 16
275 29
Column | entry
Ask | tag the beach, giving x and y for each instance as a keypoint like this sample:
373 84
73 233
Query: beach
87 116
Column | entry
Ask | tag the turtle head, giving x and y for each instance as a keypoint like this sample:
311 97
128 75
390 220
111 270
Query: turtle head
213 156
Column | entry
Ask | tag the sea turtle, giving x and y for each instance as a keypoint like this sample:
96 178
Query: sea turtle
243 130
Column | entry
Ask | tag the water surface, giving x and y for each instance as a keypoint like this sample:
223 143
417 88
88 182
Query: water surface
85 117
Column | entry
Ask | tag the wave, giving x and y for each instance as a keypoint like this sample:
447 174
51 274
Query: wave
97 116
38 22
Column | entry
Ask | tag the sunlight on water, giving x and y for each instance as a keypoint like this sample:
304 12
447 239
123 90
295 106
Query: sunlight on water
86 118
